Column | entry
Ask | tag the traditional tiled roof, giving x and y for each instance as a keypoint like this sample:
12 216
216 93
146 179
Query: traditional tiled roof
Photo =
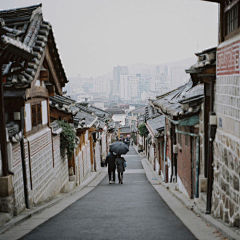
13 133
115 111
56 129
64 104
34 33
99 112
182 102
150 112
206 58
139 110
84 120
156 125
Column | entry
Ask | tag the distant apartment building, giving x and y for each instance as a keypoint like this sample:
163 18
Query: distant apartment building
160 82
129 87
101 85
117 72
143 88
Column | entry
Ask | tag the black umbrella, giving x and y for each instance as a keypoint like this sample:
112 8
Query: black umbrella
119 148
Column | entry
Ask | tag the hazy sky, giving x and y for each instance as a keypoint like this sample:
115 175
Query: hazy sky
93 36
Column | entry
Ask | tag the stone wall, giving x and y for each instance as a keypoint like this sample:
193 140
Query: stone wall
60 164
41 163
226 195
225 199
19 199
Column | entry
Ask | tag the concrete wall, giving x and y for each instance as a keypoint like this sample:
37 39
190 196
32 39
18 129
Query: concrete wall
225 198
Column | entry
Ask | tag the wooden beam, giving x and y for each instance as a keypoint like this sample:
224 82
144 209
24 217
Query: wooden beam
55 113
44 75
51 90
36 91
52 70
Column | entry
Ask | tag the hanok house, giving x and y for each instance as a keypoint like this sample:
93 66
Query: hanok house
226 157
63 108
85 124
155 124
37 176
205 71
182 108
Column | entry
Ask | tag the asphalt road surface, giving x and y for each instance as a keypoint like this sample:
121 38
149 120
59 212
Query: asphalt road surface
132 210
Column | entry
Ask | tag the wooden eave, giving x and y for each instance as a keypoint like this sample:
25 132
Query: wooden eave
52 70
214 1
55 113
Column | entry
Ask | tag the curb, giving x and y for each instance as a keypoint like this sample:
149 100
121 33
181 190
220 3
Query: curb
191 205
28 213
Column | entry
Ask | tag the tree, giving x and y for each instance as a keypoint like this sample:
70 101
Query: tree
142 129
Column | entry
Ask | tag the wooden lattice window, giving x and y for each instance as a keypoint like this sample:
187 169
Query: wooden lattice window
36 114
231 19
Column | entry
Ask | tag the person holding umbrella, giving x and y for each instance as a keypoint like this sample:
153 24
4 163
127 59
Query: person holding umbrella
119 148
110 162
120 162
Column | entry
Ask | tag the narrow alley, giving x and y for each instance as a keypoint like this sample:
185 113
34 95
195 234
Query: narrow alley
133 210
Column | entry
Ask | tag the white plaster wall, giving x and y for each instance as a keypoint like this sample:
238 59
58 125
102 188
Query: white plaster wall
84 151
157 166
181 187
104 146
80 167
97 155
151 155
89 166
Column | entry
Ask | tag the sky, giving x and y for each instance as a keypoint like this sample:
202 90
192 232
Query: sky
93 36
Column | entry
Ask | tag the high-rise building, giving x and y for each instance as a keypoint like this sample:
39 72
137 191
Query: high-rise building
129 87
117 72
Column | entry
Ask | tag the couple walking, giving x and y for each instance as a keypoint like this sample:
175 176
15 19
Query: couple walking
113 161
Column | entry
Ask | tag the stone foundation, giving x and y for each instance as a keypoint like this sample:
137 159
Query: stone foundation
226 195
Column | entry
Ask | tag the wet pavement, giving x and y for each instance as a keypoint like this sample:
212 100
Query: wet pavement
132 210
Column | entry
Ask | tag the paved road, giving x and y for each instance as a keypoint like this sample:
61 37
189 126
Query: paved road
133 210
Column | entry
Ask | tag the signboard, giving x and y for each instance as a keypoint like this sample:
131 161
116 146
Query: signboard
228 59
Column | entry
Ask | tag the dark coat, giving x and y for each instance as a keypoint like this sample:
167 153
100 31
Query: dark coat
110 161
119 162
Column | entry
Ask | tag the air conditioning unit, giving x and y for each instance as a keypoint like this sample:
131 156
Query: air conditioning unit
175 148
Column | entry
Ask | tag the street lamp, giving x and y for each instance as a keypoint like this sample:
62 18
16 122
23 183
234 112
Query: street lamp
16 55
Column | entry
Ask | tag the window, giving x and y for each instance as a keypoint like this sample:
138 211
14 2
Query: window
231 19
135 114
36 114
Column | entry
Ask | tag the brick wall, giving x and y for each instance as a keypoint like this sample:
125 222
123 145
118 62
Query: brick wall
184 163
226 195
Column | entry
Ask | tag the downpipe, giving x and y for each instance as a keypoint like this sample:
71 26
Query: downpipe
164 155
